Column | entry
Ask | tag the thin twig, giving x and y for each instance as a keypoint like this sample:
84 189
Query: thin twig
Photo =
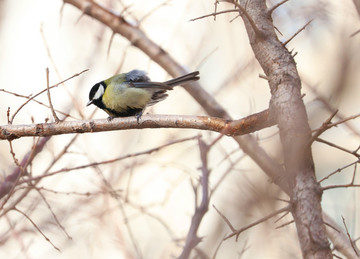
200 210
338 147
53 214
350 185
34 100
67 79
149 151
218 247
214 14
37 228
354 33
322 129
151 12
257 31
347 232
338 170
215 8
239 231
296 33
354 174
49 97
225 219
110 42
272 9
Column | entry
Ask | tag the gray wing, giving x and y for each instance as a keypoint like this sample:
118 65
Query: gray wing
137 76
139 79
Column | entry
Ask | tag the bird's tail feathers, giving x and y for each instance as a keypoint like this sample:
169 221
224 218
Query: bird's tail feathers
194 76
168 85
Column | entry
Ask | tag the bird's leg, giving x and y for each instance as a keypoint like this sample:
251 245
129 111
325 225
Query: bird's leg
138 116
110 118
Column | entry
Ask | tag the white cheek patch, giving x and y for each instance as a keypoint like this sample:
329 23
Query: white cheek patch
99 92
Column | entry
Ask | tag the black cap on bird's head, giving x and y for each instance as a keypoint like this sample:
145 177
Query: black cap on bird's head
96 93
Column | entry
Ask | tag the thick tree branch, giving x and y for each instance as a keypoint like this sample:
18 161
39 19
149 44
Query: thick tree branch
243 126
288 109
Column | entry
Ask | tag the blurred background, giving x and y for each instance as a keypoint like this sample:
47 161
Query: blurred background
141 206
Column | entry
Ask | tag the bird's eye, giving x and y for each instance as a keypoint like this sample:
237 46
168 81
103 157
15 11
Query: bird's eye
99 92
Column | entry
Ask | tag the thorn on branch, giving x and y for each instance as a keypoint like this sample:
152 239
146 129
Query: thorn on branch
243 11
8 115
272 9
276 28
264 77
216 5
296 33
85 10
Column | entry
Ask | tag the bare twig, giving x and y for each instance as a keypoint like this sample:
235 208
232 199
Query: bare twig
110 42
326 103
322 129
216 3
273 8
354 174
8 185
71 77
53 214
338 170
225 219
214 14
347 232
110 161
257 31
49 97
34 100
330 125
53 63
239 231
344 120
200 210
355 33
350 185
296 33
37 228
152 11
338 147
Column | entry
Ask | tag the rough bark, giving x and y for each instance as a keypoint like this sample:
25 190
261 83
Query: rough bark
288 110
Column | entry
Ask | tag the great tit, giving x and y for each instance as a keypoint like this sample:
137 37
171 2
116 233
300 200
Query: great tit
130 93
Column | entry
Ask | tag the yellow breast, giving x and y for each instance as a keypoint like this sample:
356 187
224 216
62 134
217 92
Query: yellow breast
120 97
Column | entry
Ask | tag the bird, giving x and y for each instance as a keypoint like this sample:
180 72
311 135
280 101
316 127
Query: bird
128 94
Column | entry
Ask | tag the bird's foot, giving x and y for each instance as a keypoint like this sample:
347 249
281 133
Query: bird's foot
138 117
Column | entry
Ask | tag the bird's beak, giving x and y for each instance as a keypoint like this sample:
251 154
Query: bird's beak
89 102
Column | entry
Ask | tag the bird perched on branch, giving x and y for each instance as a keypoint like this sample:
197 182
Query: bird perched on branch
130 93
